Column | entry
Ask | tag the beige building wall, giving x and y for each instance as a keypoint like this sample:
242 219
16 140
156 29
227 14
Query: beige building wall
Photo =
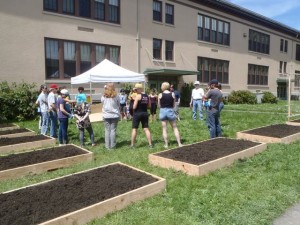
24 26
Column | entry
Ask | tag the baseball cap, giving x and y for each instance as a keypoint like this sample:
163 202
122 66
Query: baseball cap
138 86
53 86
213 81
196 82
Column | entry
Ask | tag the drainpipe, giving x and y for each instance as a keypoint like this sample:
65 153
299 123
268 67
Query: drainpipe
138 41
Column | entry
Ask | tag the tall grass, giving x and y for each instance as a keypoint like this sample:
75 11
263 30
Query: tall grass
252 191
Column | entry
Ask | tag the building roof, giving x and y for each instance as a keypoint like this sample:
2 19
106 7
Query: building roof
241 12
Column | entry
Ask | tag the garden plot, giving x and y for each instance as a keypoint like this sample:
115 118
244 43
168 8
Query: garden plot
18 144
8 126
278 133
19 132
200 158
78 198
42 160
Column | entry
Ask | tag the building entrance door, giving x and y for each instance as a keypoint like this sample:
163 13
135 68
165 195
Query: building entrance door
282 91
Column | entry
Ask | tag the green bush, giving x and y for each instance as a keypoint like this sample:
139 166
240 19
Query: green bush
242 97
269 98
185 94
17 101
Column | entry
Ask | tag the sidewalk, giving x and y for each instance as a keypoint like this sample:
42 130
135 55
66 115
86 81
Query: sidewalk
290 217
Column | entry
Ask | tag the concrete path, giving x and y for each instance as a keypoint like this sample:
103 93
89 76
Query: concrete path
290 217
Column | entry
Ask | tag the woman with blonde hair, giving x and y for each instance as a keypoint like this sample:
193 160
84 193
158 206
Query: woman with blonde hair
166 103
111 114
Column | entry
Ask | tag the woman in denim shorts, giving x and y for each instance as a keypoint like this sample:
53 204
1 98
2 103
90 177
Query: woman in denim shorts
166 103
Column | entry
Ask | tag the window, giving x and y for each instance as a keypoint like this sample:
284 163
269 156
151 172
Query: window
280 66
157 11
169 51
283 45
213 69
50 5
213 30
103 10
52 56
157 48
75 57
169 14
297 52
259 42
69 6
284 67
297 78
257 75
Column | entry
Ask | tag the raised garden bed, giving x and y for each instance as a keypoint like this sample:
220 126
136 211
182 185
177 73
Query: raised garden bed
79 198
8 126
278 133
19 132
18 144
200 158
293 122
35 162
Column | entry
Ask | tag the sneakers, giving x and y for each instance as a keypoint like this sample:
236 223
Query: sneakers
93 145
132 146
150 146
166 146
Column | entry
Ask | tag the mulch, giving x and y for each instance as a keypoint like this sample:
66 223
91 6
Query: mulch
276 131
39 156
19 140
14 131
203 152
37 204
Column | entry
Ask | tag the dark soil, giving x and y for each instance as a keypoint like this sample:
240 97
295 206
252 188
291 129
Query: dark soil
18 140
14 131
44 155
276 131
7 125
41 203
206 151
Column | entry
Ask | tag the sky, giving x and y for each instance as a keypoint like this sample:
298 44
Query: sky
283 11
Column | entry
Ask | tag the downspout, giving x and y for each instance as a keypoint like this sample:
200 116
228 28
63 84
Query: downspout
138 41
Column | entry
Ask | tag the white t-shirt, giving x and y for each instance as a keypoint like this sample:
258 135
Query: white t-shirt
43 102
52 99
197 93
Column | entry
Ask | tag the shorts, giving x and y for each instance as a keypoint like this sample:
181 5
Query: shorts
167 114
140 117
122 108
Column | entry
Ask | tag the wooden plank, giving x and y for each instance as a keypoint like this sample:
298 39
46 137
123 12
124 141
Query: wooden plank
199 170
46 166
28 145
293 123
101 209
22 134
14 126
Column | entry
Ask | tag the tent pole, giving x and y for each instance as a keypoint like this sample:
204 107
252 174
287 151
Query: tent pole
91 91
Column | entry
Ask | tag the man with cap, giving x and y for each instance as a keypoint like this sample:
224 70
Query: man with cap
140 115
212 112
52 100
43 104
196 100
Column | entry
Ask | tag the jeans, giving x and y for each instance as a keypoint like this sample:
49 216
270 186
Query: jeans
213 123
45 122
81 135
197 105
110 132
63 130
221 106
53 124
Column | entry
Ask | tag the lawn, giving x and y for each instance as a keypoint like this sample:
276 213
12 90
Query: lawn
253 191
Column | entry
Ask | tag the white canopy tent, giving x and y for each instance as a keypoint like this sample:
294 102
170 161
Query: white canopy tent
107 71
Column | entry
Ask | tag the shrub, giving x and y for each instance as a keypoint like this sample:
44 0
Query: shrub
17 101
185 94
242 97
268 98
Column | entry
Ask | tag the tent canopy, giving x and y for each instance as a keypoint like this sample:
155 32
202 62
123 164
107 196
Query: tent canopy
106 71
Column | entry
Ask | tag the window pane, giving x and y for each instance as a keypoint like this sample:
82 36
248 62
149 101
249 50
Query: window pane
114 11
169 50
169 14
85 57
281 45
84 8
100 53
69 59
157 48
99 10
52 59
285 46
69 6
114 54
157 11
50 5
200 21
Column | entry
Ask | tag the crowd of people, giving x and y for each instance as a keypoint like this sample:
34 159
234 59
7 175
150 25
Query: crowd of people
54 104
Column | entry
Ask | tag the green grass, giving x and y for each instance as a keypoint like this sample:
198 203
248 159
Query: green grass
252 191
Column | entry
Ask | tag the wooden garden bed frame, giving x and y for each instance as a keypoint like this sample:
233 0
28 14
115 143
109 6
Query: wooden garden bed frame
14 126
21 134
199 170
113 204
27 146
42 167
